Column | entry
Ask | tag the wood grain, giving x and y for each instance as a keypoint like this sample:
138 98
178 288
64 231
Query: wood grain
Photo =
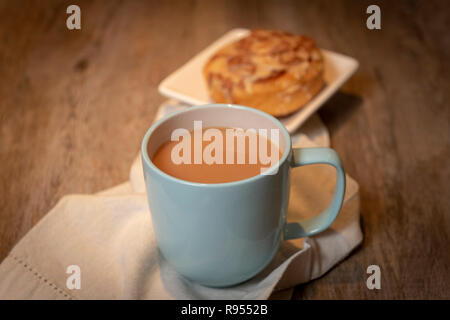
74 106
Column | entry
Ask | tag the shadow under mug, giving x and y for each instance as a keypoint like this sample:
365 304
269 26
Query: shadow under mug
223 234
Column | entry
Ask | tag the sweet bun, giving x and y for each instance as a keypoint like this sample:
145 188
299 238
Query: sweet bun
273 71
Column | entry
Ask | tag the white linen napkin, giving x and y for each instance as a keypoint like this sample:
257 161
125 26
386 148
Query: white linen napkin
110 237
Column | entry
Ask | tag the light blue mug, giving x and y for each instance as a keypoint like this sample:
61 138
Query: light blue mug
223 234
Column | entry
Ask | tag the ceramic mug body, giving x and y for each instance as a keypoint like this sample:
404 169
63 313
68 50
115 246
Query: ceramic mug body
223 234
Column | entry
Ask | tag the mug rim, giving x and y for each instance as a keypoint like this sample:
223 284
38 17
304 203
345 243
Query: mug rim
155 125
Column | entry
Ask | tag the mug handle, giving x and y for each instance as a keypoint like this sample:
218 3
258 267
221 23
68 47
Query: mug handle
319 223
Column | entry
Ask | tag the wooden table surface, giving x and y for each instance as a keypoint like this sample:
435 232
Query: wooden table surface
74 106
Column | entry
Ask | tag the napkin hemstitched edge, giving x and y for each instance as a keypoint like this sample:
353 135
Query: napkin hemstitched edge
38 276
